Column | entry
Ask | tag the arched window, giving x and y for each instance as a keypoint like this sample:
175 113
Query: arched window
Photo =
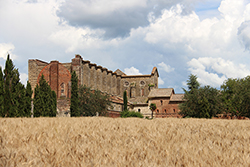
62 89
142 92
139 110
161 102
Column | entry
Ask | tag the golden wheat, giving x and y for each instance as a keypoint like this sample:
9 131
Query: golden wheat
103 141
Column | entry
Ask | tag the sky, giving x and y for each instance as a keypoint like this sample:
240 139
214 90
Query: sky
207 38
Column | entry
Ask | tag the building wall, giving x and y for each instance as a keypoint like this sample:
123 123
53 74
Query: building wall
58 75
165 107
143 109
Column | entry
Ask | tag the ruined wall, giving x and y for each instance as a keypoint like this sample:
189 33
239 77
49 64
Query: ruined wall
35 66
58 77
137 87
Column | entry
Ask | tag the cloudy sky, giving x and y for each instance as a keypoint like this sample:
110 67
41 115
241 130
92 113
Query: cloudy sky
208 38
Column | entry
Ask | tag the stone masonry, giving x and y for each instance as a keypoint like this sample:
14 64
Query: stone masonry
58 75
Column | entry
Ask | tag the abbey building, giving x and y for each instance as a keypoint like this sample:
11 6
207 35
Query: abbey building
140 88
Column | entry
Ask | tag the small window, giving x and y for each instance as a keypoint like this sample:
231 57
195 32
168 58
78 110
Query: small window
62 89
157 111
142 83
126 83
142 92
174 110
139 110
165 111
161 102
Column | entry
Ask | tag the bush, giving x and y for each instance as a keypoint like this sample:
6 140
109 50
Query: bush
126 113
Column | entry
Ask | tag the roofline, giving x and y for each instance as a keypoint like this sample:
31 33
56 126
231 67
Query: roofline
132 76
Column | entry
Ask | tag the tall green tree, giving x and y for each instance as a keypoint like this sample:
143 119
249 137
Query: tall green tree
93 101
28 94
200 102
8 74
1 93
74 100
44 100
125 101
236 96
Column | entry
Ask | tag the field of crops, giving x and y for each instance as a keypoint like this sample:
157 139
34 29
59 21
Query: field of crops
99 141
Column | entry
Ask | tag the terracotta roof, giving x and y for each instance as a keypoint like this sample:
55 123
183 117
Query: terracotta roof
177 97
116 99
162 92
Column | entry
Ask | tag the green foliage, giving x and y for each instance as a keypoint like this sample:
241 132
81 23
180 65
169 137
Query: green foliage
151 85
13 93
74 100
200 102
236 96
126 113
44 100
192 83
8 75
93 101
125 101
28 94
1 93
152 106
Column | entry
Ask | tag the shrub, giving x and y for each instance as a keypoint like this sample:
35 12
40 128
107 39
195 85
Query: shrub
126 113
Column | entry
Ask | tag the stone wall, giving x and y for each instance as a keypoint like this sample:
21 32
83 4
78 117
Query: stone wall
58 75
165 107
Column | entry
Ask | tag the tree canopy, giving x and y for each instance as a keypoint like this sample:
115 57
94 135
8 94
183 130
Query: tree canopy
15 99
44 100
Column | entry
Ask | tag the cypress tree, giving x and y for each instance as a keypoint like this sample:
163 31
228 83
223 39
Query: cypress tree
74 100
8 72
44 100
1 93
28 94
125 101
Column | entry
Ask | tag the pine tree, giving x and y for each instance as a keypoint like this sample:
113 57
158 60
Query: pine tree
1 93
74 100
125 101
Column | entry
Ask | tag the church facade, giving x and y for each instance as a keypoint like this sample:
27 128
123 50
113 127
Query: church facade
114 83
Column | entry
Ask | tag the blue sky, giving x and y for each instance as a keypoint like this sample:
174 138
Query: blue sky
210 39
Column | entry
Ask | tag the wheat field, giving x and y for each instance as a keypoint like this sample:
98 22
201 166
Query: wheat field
100 141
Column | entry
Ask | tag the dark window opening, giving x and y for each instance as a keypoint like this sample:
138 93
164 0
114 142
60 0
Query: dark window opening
142 92
139 110
174 110
165 111
161 102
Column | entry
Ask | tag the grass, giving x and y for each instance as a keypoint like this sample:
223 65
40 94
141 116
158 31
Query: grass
99 141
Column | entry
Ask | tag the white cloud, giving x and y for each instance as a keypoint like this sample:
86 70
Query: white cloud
213 71
165 67
132 71
73 38
23 78
160 81
5 49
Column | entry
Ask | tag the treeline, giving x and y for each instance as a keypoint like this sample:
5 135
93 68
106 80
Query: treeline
233 99
15 98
